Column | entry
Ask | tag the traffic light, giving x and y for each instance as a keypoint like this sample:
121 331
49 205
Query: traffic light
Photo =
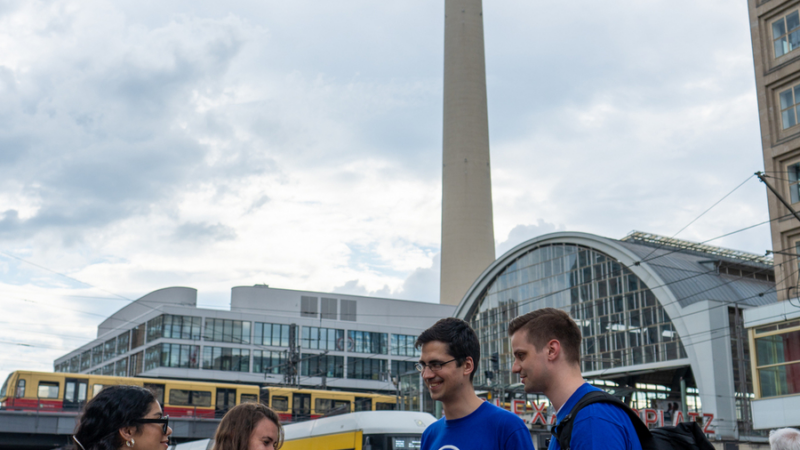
495 361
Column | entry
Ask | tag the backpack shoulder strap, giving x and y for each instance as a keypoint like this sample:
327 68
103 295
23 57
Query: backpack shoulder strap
563 431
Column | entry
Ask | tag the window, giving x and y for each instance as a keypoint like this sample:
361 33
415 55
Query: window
122 343
385 406
785 34
778 362
403 345
401 367
249 398
182 397
20 389
48 389
109 349
366 369
368 342
272 334
86 360
329 308
173 327
97 355
137 336
136 364
121 367
349 310
308 306
322 338
224 358
224 330
108 369
322 365
265 361
327 405
788 100
96 388
172 355
280 403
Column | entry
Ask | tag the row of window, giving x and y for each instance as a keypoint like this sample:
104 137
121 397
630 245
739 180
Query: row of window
263 361
237 331
778 359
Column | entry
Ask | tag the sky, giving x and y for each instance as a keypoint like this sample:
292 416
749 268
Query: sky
298 144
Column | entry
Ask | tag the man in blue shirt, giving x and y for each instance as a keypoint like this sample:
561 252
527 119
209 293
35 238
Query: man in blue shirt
546 345
450 355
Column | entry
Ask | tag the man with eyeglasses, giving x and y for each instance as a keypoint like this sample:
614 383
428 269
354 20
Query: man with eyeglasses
450 355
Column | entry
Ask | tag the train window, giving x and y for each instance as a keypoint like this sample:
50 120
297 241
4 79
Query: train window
280 403
385 406
96 388
249 398
48 389
20 389
183 397
363 404
327 405
157 390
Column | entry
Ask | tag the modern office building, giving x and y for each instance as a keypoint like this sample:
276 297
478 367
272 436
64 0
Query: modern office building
775 330
661 320
342 342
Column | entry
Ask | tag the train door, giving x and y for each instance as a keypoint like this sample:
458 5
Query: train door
301 407
363 404
158 392
226 399
75 393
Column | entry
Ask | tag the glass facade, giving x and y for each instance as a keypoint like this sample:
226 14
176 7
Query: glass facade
86 360
224 330
322 365
225 358
272 334
97 355
366 368
620 319
265 361
171 355
122 343
403 345
322 338
402 367
173 327
109 349
368 342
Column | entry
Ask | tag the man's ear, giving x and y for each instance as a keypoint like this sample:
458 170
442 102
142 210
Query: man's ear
553 349
469 365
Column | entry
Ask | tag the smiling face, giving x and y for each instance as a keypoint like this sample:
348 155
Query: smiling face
449 382
264 436
151 435
530 363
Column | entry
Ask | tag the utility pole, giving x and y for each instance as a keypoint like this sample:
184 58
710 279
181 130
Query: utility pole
291 377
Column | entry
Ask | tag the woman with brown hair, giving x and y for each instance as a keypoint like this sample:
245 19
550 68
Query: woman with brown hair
249 426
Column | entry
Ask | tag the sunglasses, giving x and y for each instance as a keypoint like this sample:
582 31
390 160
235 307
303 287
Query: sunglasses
164 421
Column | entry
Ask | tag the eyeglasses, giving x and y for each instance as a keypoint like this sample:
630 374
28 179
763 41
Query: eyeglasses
434 366
164 421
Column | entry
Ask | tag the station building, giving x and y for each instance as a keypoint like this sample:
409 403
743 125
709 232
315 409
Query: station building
342 342
661 320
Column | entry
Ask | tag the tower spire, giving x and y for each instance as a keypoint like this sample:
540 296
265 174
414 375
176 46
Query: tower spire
467 222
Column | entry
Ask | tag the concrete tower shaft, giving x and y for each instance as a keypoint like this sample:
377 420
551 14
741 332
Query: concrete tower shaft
467 223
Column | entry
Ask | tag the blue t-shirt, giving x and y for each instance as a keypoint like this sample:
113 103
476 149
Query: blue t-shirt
487 428
597 426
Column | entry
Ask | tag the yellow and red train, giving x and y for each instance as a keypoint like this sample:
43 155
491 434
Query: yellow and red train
27 390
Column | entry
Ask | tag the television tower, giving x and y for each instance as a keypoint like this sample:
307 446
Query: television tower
467 223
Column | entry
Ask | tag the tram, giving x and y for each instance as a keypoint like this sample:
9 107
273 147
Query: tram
296 405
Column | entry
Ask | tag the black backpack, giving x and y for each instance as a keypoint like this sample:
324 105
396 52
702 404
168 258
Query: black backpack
684 436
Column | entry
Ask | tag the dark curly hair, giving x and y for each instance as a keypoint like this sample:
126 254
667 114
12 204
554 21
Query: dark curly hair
461 340
238 424
113 408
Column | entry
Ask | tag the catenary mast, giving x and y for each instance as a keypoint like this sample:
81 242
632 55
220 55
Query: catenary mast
467 224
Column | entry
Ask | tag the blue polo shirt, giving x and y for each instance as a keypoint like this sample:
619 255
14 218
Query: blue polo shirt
597 426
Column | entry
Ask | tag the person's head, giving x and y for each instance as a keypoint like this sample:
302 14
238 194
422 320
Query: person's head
122 417
546 344
452 349
249 426
784 439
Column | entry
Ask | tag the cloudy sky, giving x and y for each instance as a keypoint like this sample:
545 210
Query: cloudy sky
297 143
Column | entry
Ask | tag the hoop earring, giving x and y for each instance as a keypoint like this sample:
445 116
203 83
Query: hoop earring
130 443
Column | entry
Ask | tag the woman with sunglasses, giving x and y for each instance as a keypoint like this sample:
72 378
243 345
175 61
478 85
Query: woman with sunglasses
249 426
123 417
